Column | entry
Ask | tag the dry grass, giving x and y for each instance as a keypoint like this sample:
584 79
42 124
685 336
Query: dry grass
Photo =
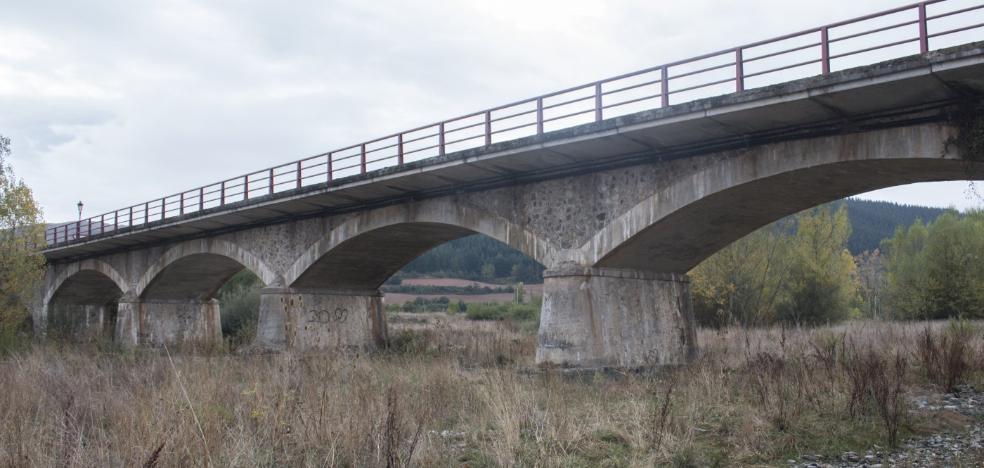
450 396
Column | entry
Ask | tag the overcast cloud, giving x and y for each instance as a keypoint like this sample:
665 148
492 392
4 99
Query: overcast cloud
116 102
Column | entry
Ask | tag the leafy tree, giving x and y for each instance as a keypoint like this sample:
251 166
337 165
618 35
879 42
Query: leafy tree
872 283
742 282
822 282
488 272
21 233
937 271
796 270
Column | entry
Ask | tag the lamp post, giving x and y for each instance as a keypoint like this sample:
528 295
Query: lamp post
80 210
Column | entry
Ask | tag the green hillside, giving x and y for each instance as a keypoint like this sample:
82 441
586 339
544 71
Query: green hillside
872 221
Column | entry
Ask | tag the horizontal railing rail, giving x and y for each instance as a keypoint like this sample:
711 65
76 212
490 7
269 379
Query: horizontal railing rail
818 51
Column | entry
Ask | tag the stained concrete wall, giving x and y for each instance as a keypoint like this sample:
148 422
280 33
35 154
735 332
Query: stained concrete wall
600 317
179 322
315 319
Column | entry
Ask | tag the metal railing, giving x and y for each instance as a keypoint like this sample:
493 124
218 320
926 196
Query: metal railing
892 33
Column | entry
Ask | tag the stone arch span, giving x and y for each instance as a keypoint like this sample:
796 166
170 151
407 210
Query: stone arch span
361 253
90 270
703 212
82 302
197 269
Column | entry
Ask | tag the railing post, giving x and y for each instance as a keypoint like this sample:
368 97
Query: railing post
539 116
201 198
825 50
102 223
598 106
163 207
739 71
146 212
440 138
222 193
271 181
181 204
331 169
399 149
131 217
664 87
116 221
298 171
246 187
923 30
362 164
488 128
88 227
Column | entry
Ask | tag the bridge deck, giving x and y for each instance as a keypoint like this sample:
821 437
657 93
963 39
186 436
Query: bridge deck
880 94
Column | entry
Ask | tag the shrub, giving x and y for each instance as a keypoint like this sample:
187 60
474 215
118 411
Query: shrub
240 308
504 311
946 357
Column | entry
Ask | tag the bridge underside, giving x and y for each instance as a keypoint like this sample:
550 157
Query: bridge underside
617 239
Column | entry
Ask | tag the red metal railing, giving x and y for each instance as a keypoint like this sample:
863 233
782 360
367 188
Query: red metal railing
891 33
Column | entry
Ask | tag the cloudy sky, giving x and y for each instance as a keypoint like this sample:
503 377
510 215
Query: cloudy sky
116 102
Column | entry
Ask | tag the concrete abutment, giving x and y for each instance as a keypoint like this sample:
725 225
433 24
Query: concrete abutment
604 317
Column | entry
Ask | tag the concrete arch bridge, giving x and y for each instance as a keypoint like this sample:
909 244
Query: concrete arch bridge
617 209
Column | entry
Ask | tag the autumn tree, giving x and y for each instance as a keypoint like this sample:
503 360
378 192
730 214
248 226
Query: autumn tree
796 270
21 235
742 283
822 280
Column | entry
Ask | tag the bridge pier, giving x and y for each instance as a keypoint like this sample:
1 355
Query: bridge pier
81 322
311 319
603 317
171 322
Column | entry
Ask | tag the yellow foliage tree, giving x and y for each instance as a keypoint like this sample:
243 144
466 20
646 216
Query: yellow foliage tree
21 235
795 270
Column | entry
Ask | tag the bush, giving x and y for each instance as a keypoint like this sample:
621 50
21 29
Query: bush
239 306
946 356
504 311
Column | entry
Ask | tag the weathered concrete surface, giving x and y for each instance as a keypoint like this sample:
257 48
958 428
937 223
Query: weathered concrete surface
314 319
179 323
688 209
706 208
601 317
82 322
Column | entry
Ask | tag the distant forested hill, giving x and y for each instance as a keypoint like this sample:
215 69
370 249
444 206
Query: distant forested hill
481 258
475 257
872 221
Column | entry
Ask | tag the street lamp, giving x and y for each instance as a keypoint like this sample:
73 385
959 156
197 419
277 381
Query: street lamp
80 210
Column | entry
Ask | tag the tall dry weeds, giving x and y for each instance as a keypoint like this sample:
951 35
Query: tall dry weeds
461 396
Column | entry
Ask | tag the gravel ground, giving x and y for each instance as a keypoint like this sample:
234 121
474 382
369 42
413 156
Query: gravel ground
945 449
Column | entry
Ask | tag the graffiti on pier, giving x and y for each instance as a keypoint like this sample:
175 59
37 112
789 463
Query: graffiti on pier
339 315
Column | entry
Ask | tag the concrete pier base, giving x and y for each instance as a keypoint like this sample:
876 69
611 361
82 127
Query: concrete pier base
81 322
315 319
127 332
176 322
602 318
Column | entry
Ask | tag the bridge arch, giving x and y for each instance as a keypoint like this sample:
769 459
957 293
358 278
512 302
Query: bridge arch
196 269
88 271
697 215
365 250
82 301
